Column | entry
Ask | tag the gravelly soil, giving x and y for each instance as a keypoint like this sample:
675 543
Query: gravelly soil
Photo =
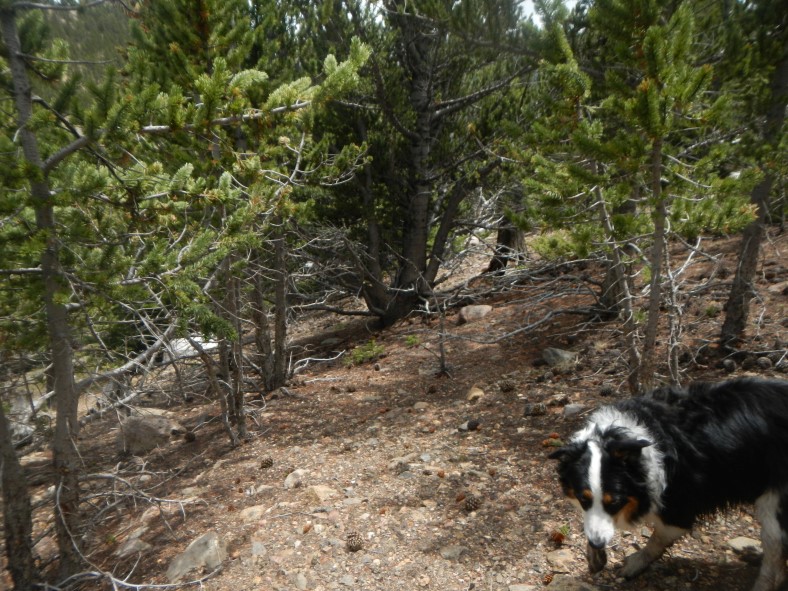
384 437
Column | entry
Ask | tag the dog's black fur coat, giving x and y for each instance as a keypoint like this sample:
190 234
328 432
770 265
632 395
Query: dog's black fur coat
675 455
722 444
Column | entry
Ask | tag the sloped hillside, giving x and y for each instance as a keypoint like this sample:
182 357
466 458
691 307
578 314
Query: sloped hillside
389 474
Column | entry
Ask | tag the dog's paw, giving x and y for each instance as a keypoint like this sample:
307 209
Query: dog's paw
636 563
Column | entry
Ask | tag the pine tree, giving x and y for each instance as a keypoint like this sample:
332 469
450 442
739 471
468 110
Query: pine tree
641 117
123 201
755 72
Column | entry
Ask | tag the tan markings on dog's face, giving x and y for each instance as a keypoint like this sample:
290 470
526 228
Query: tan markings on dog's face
623 517
587 494
607 498
570 493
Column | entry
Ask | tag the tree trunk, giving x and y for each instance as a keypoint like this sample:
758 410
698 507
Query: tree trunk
18 523
280 307
65 457
648 362
418 44
262 330
236 356
620 279
737 308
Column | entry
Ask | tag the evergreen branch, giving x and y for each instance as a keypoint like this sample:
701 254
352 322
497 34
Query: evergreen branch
451 106
83 140
130 366
253 115
45 60
63 153
28 271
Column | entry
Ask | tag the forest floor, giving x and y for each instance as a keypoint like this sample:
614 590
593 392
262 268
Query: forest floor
382 452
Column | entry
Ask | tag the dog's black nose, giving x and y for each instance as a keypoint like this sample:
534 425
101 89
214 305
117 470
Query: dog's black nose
597 545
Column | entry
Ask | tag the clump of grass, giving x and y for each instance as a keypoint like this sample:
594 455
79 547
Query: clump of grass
365 353
412 341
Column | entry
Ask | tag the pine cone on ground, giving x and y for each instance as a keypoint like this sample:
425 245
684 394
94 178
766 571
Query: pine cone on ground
266 462
472 503
507 385
354 541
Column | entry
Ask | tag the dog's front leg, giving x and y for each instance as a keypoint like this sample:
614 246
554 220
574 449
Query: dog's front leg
662 537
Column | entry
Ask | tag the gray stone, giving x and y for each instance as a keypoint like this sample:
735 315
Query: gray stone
321 493
253 513
295 479
133 544
299 580
472 313
571 410
453 552
206 552
558 357
744 544
522 587
143 433
348 580
561 560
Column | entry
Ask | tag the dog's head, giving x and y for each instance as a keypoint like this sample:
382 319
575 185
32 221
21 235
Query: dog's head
603 471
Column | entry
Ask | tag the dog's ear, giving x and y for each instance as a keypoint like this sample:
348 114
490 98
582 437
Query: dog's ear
571 450
559 454
626 449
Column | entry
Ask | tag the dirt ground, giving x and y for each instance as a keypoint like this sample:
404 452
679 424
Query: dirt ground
386 445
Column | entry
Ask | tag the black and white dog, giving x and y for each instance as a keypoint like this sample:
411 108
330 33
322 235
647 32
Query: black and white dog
675 455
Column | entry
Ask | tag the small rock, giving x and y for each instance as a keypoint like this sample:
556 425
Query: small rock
472 313
295 479
452 552
421 405
46 549
470 425
321 493
258 548
347 580
521 587
252 513
558 357
743 544
474 394
561 560
571 410
299 580
133 545
207 551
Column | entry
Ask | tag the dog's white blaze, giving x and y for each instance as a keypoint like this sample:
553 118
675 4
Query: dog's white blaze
598 525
